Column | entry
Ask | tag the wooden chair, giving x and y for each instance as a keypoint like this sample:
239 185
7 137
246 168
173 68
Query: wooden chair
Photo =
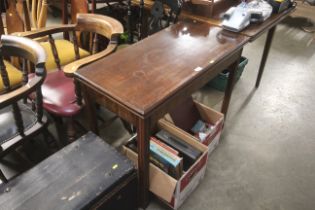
19 19
163 13
61 96
19 121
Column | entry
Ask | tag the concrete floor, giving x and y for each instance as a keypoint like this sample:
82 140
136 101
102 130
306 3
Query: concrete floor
266 157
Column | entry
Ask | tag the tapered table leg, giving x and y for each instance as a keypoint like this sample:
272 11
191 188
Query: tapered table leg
90 110
265 54
65 14
143 130
229 89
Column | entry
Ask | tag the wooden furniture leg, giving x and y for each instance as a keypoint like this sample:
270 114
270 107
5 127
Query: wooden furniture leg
140 24
64 4
130 36
230 85
93 6
60 129
265 54
90 110
143 130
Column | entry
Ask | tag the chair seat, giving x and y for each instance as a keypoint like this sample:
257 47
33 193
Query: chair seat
66 53
15 76
8 128
58 95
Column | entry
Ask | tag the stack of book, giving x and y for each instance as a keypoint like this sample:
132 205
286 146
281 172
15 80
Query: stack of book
166 158
171 154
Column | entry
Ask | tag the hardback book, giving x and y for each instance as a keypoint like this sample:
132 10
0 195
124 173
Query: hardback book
165 146
174 162
166 160
189 153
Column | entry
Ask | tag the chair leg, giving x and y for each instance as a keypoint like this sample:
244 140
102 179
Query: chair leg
50 140
60 129
71 129
2 177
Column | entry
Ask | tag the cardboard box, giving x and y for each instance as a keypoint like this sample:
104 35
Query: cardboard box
207 115
171 191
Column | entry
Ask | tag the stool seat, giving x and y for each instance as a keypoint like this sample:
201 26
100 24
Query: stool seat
59 95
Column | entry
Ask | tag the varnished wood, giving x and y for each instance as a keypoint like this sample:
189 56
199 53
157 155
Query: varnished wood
76 45
98 24
231 81
1 26
42 14
13 19
253 31
54 51
18 118
147 74
23 11
78 6
129 24
22 47
25 71
142 90
141 19
143 130
4 74
64 16
31 50
39 13
265 55
103 25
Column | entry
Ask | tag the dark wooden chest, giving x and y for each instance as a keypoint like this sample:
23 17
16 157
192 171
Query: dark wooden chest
87 174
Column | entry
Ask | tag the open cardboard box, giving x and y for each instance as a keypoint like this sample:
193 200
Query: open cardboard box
171 191
207 115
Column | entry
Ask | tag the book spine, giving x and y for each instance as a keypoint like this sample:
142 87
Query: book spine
159 164
163 154
168 148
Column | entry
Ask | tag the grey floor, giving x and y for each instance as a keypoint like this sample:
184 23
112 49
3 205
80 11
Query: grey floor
266 156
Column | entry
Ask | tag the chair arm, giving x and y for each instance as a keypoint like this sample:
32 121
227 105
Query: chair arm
46 31
15 95
74 66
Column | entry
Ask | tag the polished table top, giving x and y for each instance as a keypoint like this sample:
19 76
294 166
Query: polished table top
254 30
143 75
219 8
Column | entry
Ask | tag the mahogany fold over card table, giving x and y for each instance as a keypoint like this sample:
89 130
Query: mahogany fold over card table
142 82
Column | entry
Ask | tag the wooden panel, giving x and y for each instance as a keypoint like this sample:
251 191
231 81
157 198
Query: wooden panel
73 178
143 76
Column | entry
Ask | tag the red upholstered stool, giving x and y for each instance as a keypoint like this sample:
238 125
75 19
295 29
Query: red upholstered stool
59 96
59 99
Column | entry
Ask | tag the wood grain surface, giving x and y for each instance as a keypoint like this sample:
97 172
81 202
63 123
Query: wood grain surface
144 75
